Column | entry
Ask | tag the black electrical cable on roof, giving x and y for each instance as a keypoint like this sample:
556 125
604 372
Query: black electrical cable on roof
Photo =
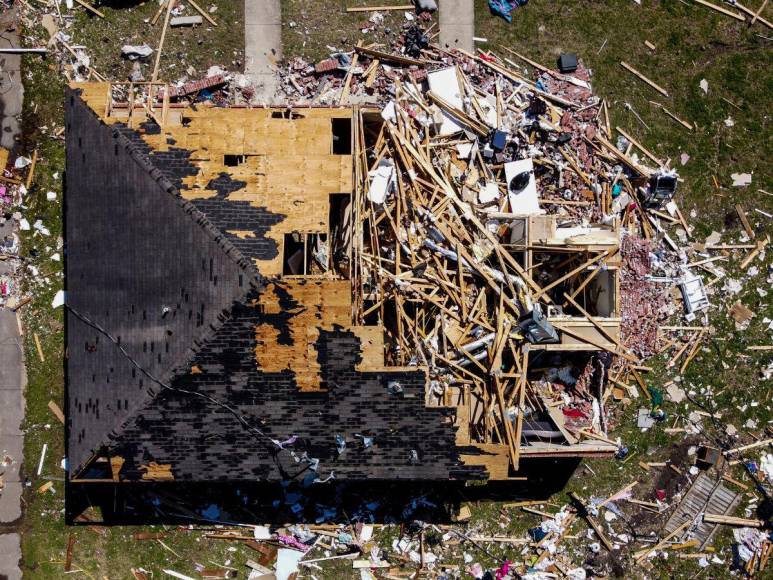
257 432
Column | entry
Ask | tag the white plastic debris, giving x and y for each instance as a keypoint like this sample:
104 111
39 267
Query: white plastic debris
766 465
488 193
383 180
51 196
741 179
732 286
135 51
287 563
464 150
38 225
675 393
388 112
21 162
58 299
704 85
186 20
261 533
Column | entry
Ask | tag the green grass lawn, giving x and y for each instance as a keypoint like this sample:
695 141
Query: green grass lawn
692 43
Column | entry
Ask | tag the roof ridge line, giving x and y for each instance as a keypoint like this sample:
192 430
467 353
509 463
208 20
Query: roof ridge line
196 214
200 219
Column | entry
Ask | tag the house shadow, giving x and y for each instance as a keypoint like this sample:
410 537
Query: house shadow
279 504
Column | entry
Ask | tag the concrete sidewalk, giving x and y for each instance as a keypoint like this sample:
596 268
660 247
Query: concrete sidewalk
11 415
12 373
10 554
262 45
457 24
11 90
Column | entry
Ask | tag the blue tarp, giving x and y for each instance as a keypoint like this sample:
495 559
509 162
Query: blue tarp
504 8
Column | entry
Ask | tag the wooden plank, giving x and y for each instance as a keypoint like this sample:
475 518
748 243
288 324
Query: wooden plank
56 411
31 173
732 521
757 14
68 554
380 8
38 347
641 147
160 48
651 83
558 420
159 12
593 523
721 10
90 8
387 57
201 11
745 221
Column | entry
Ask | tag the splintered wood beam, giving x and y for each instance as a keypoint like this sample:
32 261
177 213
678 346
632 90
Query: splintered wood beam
512 444
754 253
170 5
387 57
344 98
460 115
513 76
159 12
535 64
732 521
523 382
622 156
642 554
464 209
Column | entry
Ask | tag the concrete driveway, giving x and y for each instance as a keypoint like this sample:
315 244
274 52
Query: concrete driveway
12 373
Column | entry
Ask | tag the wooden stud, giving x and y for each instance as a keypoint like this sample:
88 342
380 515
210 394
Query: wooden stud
201 11
636 73
90 8
160 48
721 10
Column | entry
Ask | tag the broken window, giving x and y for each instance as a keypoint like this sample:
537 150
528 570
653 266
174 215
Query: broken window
231 160
305 254
342 136
286 114
339 219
